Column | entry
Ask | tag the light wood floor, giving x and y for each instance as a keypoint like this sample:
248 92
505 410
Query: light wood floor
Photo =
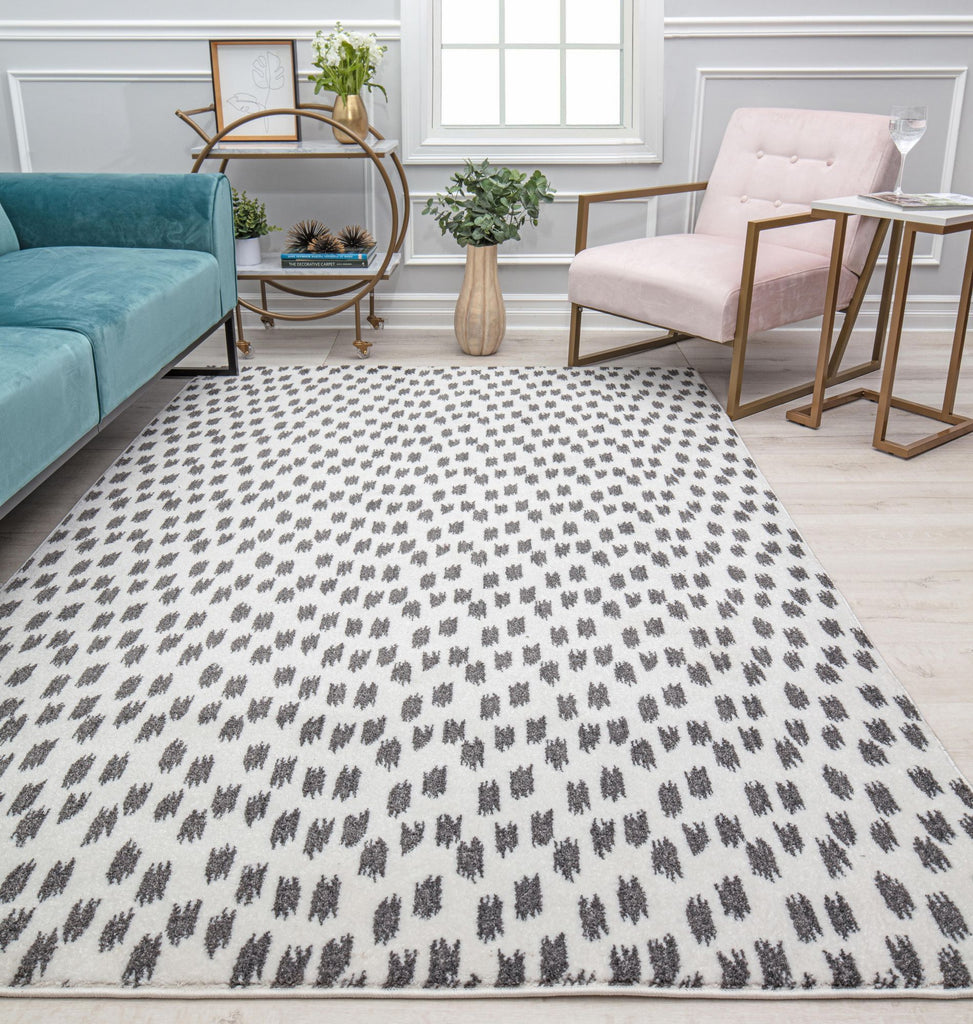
896 536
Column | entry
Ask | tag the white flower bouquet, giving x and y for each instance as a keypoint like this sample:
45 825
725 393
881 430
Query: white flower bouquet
347 62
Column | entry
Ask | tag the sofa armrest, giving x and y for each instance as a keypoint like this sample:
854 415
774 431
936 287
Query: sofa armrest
135 211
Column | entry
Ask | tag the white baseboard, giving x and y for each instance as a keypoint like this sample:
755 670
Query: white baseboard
550 313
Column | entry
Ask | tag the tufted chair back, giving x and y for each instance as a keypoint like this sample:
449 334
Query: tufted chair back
778 161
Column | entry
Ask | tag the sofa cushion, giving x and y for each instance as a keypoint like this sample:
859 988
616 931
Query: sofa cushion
8 237
139 308
48 400
133 211
691 283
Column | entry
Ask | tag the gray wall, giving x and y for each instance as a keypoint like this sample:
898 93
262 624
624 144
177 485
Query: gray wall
95 87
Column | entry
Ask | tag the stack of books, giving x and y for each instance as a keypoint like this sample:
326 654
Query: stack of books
349 259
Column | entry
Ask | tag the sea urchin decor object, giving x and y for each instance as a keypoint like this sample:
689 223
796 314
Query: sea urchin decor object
312 236
355 237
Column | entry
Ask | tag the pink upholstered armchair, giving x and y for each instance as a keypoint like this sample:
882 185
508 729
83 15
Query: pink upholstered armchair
718 283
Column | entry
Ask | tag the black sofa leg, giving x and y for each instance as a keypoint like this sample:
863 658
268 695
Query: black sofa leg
232 353
232 368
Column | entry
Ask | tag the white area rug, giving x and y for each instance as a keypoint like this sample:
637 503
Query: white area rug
417 681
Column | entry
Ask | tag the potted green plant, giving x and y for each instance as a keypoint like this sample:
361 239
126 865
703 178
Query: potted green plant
249 226
346 63
483 207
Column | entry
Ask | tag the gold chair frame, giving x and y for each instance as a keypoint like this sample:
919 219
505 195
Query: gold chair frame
736 409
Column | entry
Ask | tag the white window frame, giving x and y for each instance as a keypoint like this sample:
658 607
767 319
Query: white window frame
425 140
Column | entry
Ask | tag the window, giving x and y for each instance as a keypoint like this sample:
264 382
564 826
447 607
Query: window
524 80
505 63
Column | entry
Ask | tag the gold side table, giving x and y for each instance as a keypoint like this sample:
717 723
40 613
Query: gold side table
906 224
356 283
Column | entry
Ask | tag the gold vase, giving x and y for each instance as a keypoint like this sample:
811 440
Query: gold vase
480 319
350 112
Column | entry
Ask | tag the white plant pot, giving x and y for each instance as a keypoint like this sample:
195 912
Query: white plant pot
247 252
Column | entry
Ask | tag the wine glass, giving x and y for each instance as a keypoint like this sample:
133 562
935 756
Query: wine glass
906 126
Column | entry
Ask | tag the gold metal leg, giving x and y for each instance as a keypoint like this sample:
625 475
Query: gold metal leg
574 335
958 425
959 335
895 334
738 410
241 343
734 407
362 346
742 335
376 321
574 343
265 318
897 284
810 415
854 307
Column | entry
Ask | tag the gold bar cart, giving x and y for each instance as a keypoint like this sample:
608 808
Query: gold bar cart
355 283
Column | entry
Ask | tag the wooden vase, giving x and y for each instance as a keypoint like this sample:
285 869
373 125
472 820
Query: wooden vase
480 319
350 111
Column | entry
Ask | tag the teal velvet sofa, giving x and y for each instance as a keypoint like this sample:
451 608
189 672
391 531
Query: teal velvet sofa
106 281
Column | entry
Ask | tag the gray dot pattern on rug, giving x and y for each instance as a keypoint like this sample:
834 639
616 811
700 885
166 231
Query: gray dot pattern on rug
380 679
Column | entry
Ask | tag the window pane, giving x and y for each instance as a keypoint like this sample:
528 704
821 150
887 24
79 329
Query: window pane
593 93
532 21
581 26
471 87
533 87
465 22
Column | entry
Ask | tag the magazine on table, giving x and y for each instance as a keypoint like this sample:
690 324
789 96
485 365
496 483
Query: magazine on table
924 200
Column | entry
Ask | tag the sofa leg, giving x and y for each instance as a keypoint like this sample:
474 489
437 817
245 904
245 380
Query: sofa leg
232 360
232 367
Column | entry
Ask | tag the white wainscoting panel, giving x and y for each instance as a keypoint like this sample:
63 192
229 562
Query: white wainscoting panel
163 30
86 151
820 26
554 244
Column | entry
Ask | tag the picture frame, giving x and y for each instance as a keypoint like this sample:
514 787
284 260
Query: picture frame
250 75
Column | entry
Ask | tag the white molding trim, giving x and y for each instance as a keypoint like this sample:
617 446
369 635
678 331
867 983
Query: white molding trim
155 30
413 258
819 25
957 75
550 313
17 78
388 29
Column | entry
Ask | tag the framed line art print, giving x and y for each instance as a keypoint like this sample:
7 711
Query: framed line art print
251 75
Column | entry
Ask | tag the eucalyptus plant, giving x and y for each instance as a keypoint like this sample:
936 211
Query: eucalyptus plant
249 217
486 205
